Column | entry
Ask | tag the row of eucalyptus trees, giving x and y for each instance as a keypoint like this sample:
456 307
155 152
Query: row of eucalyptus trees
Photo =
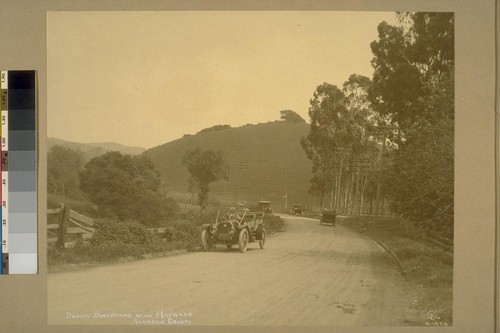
390 138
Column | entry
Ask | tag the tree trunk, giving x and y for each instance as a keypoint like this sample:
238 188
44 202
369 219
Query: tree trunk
338 201
331 198
352 195
346 197
363 195
63 226
356 196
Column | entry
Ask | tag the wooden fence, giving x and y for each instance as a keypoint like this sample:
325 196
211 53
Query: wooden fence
66 227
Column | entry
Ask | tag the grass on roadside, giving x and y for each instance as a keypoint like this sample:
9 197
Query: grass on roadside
429 268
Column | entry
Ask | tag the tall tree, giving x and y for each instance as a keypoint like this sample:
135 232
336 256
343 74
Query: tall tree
413 87
339 132
325 134
126 187
291 116
63 167
205 167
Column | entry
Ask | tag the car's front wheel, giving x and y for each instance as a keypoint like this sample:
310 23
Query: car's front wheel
263 240
243 240
206 241
229 246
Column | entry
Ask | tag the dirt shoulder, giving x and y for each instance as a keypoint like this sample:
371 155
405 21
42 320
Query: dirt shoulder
427 268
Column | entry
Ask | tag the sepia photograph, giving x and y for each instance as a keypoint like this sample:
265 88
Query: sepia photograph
250 168
222 166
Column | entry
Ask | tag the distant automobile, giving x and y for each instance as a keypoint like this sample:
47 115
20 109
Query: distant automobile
328 217
297 209
265 206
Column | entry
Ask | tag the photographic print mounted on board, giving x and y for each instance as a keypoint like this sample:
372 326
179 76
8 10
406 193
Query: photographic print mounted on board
234 168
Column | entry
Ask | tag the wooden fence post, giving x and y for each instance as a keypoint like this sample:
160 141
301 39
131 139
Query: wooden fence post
63 225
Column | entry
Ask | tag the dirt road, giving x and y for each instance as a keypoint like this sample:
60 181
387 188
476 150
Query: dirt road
307 275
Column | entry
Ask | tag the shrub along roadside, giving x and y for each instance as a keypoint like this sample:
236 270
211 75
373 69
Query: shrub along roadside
429 268
273 223
113 240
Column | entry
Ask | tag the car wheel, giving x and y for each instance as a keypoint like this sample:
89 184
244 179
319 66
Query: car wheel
263 241
206 242
243 240
229 246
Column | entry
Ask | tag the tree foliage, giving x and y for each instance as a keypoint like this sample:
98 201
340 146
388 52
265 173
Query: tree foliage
413 87
205 167
126 187
291 116
63 167
340 119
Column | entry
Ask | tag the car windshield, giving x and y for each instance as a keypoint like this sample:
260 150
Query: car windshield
264 204
231 214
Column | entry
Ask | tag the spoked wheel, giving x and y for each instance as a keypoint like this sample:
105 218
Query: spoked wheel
206 242
243 240
263 241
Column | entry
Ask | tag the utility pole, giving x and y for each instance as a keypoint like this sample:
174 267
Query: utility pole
382 132
332 194
363 167
225 190
238 183
379 176
286 191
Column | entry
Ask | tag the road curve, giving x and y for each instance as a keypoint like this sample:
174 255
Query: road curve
308 275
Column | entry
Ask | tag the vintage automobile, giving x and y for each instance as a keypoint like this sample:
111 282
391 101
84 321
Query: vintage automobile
233 226
265 206
297 210
328 217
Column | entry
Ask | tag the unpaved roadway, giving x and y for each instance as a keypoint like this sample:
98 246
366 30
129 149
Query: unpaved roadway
307 275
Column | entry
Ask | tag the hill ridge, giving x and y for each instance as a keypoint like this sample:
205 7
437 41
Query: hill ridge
94 149
266 161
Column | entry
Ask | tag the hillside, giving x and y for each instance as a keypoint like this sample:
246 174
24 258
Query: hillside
91 150
270 155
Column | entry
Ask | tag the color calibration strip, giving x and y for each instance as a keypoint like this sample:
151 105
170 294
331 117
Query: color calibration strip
18 195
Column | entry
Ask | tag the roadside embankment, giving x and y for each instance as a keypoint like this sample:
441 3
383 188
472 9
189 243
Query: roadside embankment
426 263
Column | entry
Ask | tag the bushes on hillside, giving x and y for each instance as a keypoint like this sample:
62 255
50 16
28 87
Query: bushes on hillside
291 116
215 128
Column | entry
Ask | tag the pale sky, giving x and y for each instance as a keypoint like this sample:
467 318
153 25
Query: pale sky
147 78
